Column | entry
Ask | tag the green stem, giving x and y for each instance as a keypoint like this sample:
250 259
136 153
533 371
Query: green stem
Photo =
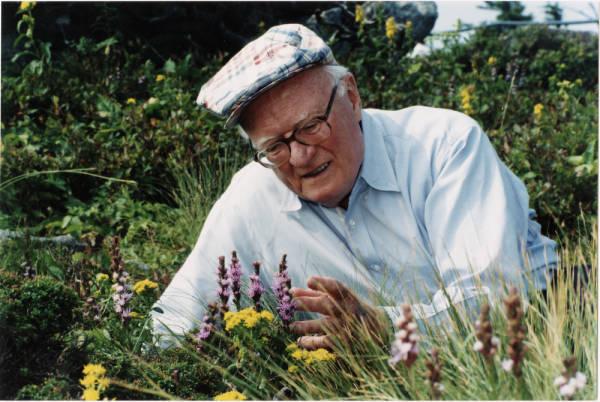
83 171
160 393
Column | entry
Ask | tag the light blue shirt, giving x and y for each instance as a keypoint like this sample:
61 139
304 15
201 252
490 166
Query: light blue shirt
433 208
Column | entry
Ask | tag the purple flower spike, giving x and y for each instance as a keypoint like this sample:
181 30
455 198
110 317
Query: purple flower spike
281 287
256 288
122 288
208 325
223 292
235 279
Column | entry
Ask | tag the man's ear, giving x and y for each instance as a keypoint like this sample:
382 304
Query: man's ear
353 95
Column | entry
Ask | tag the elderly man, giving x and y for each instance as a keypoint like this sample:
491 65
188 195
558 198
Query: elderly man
373 208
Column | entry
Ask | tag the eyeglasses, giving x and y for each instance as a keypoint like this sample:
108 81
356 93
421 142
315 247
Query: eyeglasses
310 132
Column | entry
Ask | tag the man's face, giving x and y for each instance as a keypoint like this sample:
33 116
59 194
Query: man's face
322 173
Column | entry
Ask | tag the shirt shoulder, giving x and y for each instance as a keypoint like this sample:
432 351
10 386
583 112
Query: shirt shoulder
424 124
253 187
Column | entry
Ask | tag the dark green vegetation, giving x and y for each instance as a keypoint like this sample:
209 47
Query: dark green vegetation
99 141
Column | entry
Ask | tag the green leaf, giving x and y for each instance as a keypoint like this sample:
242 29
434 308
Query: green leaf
169 66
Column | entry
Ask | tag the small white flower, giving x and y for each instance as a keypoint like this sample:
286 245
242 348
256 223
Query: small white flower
495 341
580 380
567 390
478 346
404 348
414 338
507 364
477 323
411 326
560 380
401 334
439 386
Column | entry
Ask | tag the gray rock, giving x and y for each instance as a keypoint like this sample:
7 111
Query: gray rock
65 240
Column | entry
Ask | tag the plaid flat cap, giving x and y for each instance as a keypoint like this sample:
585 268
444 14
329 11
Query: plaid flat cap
280 53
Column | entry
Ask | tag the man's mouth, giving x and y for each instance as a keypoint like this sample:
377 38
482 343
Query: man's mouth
317 171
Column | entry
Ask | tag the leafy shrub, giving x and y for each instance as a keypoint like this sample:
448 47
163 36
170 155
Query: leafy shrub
34 316
51 389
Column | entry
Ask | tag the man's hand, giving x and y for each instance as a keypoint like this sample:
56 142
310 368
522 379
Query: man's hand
345 315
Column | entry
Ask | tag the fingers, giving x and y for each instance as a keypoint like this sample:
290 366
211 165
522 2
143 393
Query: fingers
297 292
312 326
320 304
330 286
315 342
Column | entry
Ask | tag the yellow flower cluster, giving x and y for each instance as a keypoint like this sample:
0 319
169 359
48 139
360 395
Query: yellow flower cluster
538 109
101 277
309 356
390 28
160 77
492 61
230 396
93 381
26 5
466 95
131 101
359 14
249 316
140 286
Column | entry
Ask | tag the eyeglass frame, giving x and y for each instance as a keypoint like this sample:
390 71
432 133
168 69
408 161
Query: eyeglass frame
323 118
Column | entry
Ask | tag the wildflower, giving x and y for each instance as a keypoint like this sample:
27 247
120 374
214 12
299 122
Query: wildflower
90 394
570 381
235 279
91 307
248 317
281 287
208 325
487 344
26 5
93 381
134 314
292 368
131 101
230 396
390 28
223 292
256 288
101 277
308 357
122 289
160 77
142 285
537 111
516 331
491 61
408 24
507 365
466 97
434 374
359 14
405 346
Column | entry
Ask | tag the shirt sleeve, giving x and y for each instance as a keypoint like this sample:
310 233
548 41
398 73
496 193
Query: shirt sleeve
183 303
476 217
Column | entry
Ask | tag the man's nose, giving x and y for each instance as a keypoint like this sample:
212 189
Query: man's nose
301 154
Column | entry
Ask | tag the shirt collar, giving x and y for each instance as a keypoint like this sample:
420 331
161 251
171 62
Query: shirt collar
376 169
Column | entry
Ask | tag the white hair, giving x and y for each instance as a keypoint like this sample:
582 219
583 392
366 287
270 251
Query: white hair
335 72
